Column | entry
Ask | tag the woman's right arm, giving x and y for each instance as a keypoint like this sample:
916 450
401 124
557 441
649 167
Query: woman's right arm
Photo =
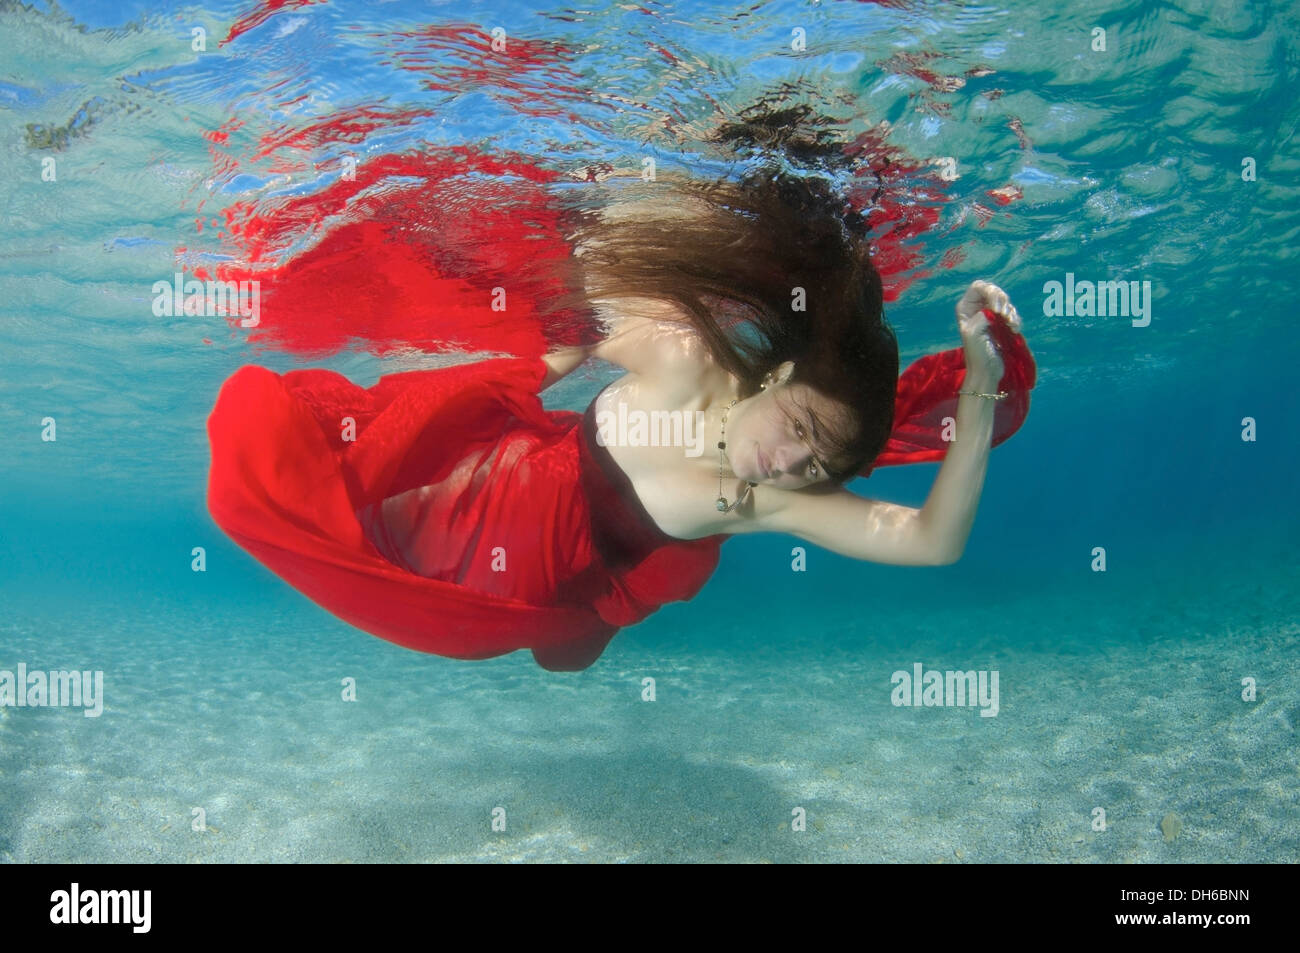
641 337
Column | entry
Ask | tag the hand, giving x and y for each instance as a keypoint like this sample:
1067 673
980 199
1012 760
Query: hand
983 362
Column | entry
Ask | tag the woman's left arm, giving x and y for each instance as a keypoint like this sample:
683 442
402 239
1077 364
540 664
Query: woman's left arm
935 535
949 512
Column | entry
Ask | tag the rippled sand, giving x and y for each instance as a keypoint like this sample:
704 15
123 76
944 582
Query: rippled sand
1130 703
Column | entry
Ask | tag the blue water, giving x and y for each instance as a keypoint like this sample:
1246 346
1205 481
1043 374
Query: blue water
1120 690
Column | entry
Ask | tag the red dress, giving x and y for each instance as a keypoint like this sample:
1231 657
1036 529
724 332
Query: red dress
502 530
446 511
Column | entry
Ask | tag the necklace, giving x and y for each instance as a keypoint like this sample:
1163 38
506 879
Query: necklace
723 507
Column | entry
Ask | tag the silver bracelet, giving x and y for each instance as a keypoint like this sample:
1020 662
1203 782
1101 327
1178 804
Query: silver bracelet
1000 395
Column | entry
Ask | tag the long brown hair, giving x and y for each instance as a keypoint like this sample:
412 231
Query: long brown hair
733 255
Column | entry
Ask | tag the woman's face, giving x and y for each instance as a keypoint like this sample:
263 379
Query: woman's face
777 437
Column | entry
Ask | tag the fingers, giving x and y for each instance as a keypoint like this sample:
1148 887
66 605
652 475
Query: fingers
986 296
1001 305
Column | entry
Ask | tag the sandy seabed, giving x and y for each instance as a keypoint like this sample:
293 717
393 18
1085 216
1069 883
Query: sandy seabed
1131 703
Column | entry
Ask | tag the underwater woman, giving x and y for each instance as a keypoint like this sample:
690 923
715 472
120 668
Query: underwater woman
447 511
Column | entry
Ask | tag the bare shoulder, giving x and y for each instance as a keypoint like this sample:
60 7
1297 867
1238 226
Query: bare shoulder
651 338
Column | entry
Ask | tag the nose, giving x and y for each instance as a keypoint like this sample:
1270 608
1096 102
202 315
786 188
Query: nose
788 460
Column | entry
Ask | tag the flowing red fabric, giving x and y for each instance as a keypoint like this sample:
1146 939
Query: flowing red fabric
435 252
498 502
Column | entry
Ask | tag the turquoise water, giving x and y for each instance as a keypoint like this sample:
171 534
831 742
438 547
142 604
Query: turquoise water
1119 690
